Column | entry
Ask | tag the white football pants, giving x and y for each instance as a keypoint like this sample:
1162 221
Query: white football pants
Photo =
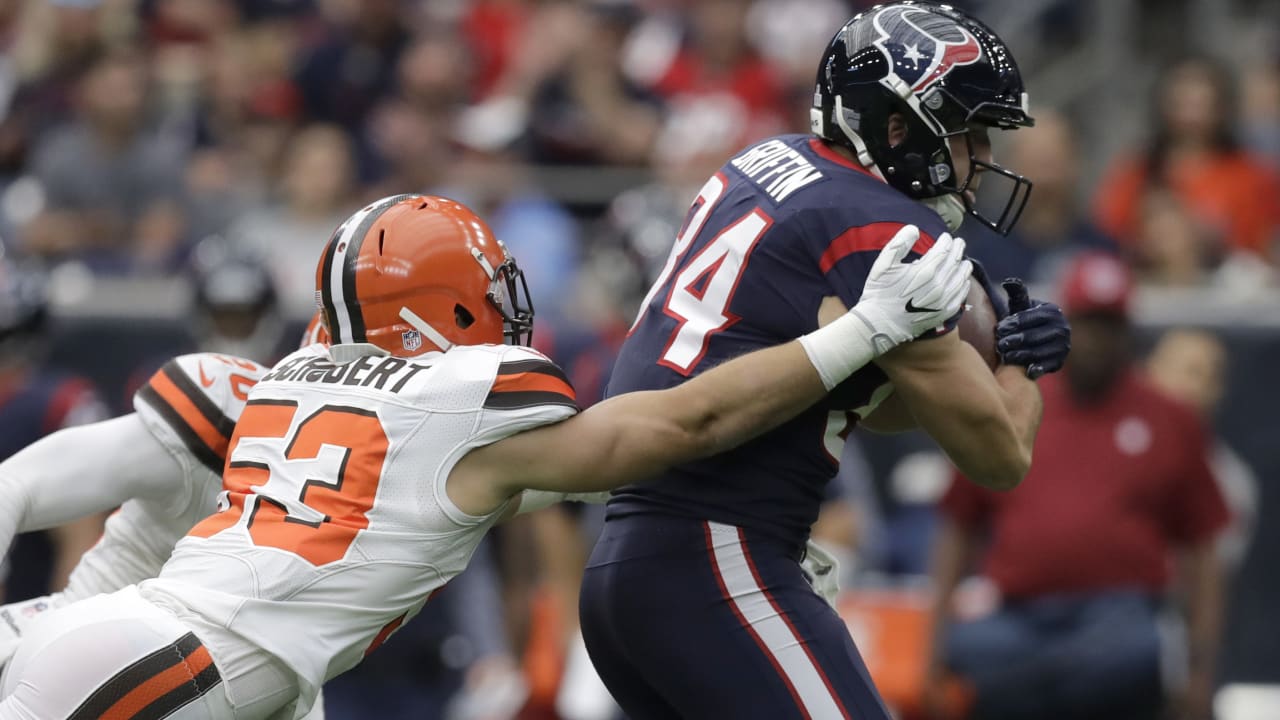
114 657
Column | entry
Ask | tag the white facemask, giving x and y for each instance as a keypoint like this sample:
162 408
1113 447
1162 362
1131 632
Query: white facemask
949 207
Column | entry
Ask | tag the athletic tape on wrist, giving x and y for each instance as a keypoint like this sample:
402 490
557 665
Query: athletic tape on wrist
839 349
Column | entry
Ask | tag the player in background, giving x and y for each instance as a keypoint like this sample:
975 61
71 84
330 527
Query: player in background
237 309
693 603
361 475
36 400
161 465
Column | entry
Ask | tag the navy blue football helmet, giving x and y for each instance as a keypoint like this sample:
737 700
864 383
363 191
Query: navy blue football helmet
947 73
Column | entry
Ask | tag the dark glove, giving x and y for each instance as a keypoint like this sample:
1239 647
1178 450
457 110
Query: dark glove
1035 335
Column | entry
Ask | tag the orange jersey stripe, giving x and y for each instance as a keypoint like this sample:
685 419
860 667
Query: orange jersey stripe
190 413
159 685
533 382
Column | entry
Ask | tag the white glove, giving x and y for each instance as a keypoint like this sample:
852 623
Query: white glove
15 618
902 301
899 302
822 570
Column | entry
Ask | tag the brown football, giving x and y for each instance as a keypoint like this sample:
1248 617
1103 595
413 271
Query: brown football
978 324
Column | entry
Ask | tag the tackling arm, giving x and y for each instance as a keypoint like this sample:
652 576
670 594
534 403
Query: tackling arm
634 437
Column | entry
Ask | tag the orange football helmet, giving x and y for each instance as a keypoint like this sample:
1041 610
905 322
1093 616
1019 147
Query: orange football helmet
416 273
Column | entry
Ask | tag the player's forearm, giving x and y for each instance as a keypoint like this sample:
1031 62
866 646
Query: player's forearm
743 398
1025 407
633 437
985 426
1001 433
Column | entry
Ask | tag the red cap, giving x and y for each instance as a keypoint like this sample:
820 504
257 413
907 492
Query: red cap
1097 283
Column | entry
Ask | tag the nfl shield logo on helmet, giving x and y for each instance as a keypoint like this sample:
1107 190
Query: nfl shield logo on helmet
411 339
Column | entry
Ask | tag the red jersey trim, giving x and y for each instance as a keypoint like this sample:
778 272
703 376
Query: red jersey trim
826 153
872 237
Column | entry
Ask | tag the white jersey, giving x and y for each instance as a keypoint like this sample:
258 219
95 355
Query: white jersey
335 527
191 406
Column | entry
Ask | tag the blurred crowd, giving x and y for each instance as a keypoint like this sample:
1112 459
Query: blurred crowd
134 129
224 140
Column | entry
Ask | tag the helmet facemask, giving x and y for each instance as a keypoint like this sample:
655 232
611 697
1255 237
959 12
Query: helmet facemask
964 80
948 117
509 295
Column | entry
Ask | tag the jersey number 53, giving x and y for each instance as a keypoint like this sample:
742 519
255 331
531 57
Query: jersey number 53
334 460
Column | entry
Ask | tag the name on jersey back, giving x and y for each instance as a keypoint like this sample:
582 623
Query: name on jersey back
777 168
368 371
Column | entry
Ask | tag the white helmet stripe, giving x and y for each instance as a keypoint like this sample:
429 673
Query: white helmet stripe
424 327
343 244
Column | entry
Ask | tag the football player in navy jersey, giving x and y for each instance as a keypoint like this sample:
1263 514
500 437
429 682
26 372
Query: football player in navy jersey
694 604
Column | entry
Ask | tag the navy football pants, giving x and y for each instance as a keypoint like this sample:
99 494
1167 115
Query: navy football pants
698 620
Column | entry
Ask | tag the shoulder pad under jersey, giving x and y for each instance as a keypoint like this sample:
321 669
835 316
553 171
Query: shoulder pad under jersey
527 378
521 390
192 404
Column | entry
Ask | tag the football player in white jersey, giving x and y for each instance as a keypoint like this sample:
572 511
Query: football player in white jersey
361 475
161 465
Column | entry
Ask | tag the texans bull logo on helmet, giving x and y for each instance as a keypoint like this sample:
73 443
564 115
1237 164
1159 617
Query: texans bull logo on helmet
925 47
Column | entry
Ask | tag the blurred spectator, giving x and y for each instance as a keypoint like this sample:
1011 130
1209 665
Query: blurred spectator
52 45
540 40
36 400
589 112
316 196
434 74
493 29
248 102
1080 552
1191 365
407 140
720 92
1053 227
411 145
537 229
1260 112
1194 155
111 183
342 76
787 33
1177 249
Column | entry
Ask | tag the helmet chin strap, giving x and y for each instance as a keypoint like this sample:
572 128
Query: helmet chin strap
949 207
424 327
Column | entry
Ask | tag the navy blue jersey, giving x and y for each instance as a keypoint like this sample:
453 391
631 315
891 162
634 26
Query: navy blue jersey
782 225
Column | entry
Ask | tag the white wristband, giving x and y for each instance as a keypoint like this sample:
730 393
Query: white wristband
842 347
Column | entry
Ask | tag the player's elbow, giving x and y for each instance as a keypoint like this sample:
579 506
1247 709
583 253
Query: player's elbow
999 462
1002 469
703 430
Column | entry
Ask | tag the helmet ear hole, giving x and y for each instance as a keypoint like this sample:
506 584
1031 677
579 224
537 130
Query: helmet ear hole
463 317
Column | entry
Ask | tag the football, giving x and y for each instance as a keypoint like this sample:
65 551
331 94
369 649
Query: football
978 324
